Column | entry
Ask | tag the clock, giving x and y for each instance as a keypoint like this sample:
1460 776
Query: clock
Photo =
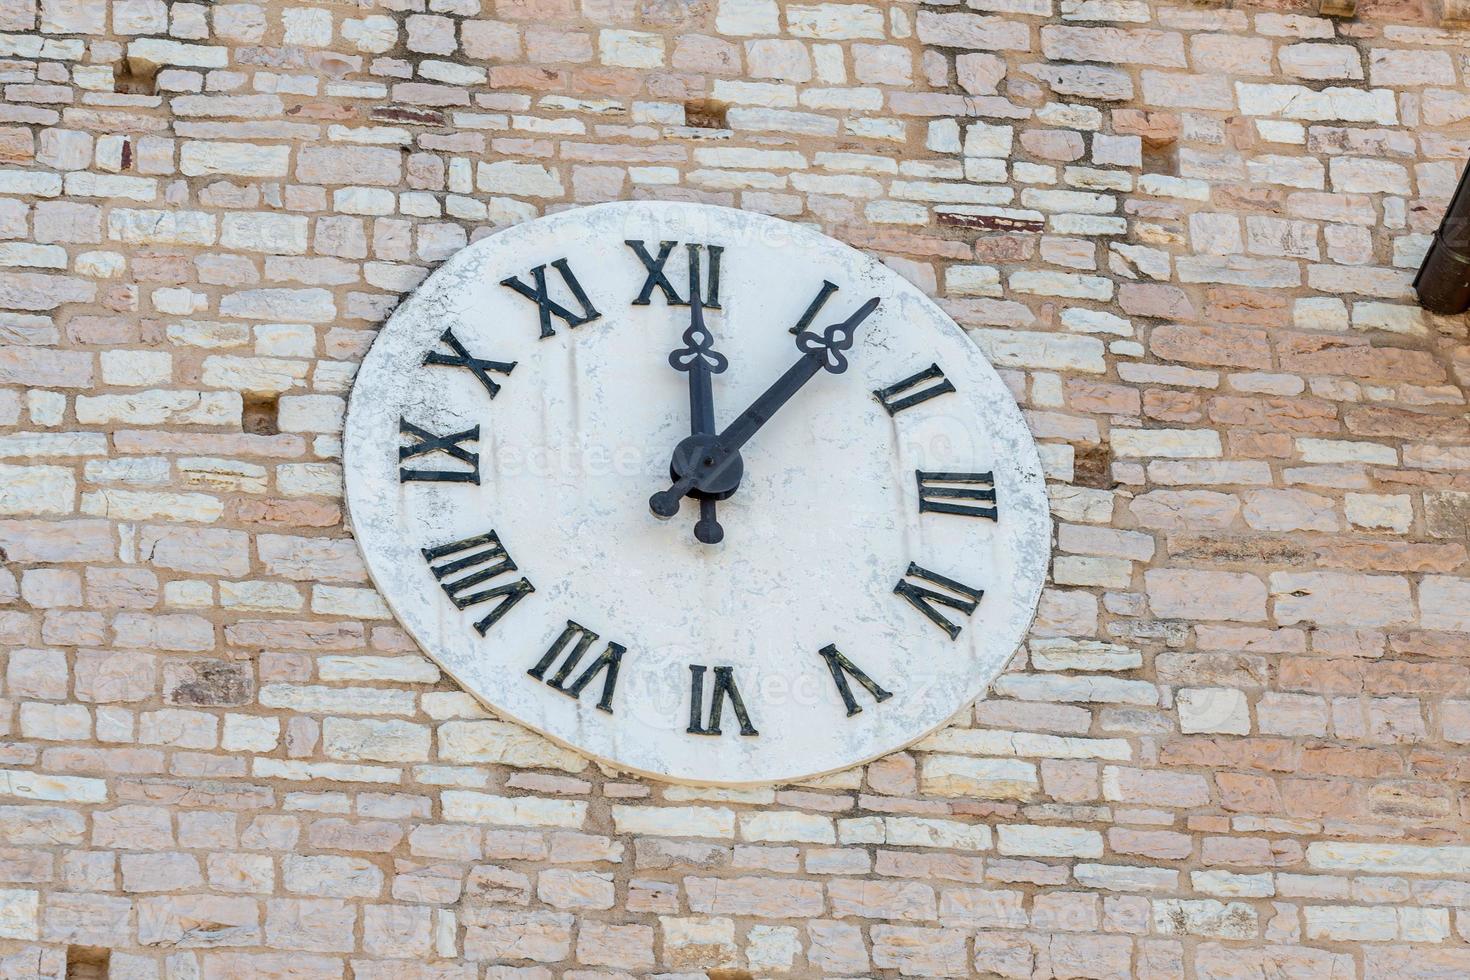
703 494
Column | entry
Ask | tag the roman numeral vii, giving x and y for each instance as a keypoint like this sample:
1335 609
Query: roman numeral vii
923 598
609 660
483 558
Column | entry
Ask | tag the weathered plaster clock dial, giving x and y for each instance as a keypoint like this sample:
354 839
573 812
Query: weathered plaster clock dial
701 493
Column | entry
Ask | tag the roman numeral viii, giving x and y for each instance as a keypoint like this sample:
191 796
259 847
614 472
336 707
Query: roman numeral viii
923 598
895 398
428 442
461 358
483 558
940 493
547 306
609 660
841 668
724 687
658 279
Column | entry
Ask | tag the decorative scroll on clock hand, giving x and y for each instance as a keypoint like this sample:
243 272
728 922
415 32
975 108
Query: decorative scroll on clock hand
708 465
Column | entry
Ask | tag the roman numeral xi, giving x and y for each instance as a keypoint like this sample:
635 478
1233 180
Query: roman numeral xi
547 307
481 558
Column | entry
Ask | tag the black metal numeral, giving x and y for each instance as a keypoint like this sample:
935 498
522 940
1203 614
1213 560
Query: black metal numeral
658 279
815 307
427 443
479 367
841 667
610 659
894 400
487 559
938 490
548 307
724 686
922 598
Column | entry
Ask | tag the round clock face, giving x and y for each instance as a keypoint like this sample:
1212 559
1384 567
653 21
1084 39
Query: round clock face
703 494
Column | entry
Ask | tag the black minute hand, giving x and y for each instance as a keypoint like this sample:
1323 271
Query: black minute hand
699 359
714 463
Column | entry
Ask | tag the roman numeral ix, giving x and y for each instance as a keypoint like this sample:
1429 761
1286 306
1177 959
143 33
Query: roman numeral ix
486 559
939 491
609 660
658 279
923 598
724 686
894 400
461 358
548 307
841 668
429 442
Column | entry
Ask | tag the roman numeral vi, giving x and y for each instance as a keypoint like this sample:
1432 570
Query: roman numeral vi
724 687
486 559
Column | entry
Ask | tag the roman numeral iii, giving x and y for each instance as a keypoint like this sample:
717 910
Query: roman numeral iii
428 442
658 279
895 400
724 687
939 493
548 307
609 660
841 668
923 598
484 558
461 358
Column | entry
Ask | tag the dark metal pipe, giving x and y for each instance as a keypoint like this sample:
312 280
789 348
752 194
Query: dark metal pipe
1443 282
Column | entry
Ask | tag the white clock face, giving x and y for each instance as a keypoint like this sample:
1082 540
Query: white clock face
882 518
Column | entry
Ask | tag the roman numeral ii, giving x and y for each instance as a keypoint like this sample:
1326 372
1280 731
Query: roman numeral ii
895 400
484 558
609 660
548 307
923 598
724 687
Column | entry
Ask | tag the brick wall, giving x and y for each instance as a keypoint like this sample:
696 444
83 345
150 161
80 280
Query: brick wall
1234 746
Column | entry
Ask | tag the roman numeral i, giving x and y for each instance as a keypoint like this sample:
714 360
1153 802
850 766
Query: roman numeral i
548 307
921 597
609 660
658 279
486 559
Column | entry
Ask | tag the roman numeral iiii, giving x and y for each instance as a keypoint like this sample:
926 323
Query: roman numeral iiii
923 598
